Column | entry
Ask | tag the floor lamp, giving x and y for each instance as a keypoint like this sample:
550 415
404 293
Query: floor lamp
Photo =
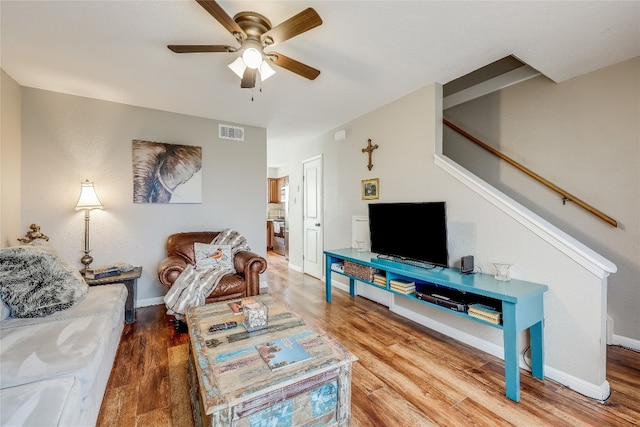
88 200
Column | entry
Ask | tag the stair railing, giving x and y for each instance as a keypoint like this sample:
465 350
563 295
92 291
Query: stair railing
566 196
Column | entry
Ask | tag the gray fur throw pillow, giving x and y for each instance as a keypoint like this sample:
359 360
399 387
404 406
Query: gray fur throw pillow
35 282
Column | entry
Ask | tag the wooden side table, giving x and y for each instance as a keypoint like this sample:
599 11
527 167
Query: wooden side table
130 280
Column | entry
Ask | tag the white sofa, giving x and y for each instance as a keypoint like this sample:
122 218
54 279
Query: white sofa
54 369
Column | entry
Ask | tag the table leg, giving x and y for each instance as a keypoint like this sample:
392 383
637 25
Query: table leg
511 366
352 287
129 308
537 349
327 278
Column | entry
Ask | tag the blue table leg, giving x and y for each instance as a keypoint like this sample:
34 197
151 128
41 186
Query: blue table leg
352 287
537 350
327 278
511 366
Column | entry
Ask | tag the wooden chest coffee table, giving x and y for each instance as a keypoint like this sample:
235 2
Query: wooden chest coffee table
232 384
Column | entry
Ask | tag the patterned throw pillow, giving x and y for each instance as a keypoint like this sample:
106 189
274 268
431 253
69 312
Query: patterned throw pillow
213 256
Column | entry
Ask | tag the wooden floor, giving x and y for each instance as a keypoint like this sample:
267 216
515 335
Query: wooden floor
407 375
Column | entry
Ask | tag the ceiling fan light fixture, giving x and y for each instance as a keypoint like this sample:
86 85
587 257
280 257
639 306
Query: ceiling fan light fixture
252 57
238 66
266 71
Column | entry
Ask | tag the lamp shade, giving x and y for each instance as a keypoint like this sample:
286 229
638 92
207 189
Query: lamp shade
266 71
238 67
88 198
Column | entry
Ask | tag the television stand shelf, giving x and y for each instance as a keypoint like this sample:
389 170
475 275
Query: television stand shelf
521 303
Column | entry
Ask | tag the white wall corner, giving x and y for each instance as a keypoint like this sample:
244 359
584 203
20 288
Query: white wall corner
609 330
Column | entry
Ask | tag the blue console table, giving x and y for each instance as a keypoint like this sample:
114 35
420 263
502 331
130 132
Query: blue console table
522 303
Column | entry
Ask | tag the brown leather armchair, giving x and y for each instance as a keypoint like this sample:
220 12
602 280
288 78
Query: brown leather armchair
248 265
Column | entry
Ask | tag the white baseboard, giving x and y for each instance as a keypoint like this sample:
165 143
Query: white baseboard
625 342
613 339
295 268
599 392
150 301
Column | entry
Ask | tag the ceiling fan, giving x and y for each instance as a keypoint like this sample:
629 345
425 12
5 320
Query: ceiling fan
254 33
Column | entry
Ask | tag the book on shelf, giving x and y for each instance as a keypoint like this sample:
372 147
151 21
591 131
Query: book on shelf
237 306
411 286
337 266
380 279
393 285
484 312
403 290
484 317
282 352
402 286
402 282
102 272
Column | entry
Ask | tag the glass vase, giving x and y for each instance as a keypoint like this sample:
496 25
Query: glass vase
502 271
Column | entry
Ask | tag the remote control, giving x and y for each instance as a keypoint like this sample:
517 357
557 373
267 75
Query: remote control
222 326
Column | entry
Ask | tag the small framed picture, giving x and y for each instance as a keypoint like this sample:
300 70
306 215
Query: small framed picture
370 189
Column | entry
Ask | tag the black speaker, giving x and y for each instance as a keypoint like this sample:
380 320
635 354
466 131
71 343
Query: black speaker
466 264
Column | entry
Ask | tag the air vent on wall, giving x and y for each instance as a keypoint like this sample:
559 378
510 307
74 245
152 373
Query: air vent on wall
231 132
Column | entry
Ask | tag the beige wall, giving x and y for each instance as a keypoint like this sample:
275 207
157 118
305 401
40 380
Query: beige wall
584 136
67 139
407 131
10 137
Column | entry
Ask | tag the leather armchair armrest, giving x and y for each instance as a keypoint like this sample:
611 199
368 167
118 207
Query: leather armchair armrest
170 268
250 265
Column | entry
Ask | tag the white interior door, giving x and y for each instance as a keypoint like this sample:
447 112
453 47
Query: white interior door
312 217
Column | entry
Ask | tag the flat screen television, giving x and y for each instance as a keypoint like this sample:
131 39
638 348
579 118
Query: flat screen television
410 231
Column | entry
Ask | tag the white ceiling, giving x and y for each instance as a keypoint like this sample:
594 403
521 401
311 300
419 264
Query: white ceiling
369 53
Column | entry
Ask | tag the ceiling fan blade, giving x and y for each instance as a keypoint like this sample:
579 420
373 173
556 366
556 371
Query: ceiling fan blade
195 48
223 18
298 24
249 78
293 65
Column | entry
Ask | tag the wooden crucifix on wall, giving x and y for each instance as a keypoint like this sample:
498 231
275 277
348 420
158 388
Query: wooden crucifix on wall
369 149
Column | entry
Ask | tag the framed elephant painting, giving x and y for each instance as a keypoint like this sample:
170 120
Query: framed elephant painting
166 173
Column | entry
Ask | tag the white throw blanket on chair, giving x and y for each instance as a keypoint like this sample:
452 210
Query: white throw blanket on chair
193 286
